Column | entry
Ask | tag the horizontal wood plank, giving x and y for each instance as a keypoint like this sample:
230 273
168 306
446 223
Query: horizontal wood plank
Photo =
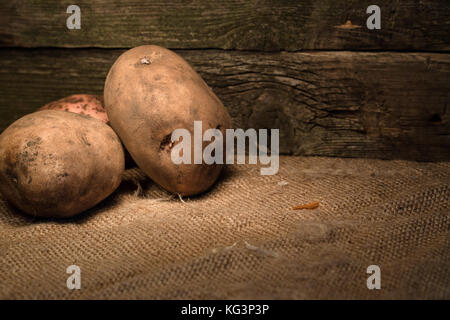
380 105
263 25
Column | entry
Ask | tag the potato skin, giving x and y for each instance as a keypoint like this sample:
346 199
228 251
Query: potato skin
90 105
149 92
87 104
59 164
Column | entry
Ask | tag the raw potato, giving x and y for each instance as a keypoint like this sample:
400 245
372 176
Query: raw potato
151 91
87 104
58 164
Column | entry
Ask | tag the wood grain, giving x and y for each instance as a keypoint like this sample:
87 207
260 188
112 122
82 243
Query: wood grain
263 25
380 105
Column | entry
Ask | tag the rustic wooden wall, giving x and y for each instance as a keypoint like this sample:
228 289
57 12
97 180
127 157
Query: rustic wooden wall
288 64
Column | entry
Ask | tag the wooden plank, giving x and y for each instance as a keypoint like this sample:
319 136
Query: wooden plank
267 25
380 105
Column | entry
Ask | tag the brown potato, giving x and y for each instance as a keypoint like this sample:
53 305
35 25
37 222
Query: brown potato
151 91
58 164
87 104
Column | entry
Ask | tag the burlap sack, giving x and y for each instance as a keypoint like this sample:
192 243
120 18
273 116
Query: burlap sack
242 240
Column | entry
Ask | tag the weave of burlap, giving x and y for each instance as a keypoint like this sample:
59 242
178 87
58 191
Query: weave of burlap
242 240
